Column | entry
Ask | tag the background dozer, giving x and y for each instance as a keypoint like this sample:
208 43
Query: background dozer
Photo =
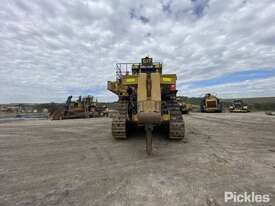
146 97
85 107
210 103
238 105
185 107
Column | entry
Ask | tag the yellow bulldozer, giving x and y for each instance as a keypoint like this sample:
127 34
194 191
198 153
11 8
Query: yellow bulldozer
146 97
85 107
185 107
211 103
238 106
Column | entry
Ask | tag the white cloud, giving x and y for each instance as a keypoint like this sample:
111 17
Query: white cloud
50 48
247 88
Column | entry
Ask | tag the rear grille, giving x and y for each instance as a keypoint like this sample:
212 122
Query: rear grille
211 104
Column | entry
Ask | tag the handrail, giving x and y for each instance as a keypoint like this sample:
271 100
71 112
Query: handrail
122 68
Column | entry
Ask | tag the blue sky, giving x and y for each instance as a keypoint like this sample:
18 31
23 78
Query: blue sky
236 77
52 49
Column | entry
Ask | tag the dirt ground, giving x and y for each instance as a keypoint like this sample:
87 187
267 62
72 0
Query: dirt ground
77 162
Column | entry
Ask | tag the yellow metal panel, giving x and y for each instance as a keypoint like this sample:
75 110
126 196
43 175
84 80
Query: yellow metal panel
112 86
165 117
155 92
157 66
117 88
168 79
142 92
135 118
149 106
129 80
152 103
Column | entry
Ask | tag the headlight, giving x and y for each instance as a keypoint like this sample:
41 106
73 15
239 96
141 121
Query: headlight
231 107
245 107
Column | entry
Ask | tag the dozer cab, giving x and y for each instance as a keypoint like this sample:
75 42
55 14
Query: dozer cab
146 97
210 103
238 106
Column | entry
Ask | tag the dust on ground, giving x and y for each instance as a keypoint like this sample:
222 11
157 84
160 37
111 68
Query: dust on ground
77 162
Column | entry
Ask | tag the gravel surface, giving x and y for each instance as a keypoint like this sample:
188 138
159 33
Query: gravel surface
77 162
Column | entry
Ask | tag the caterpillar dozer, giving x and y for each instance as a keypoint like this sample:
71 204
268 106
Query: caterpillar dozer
210 103
238 106
146 97
84 107
185 107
